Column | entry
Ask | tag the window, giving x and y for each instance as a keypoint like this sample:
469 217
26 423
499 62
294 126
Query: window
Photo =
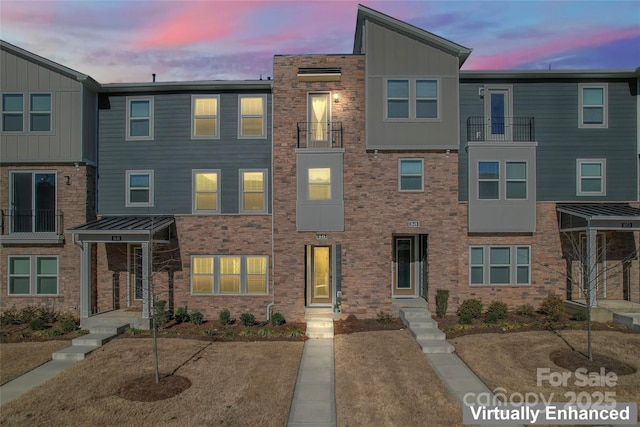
139 118
251 116
591 177
33 275
229 275
489 180
253 188
593 106
499 265
412 99
139 188
33 202
205 122
320 184
516 180
410 175
12 112
206 191
40 112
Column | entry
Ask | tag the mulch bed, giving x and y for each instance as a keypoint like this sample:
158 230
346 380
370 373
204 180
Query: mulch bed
572 360
145 388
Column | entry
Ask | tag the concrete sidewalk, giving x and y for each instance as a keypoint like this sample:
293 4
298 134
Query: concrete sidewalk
314 401
33 378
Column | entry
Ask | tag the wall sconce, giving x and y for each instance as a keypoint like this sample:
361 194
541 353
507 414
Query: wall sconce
375 154
481 92
67 180
446 153
336 99
77 166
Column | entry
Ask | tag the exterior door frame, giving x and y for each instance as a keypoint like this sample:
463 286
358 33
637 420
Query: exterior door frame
415 267
310 268
134 274
504 129
311 142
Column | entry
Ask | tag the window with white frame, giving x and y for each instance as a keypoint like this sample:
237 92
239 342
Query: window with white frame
500 265
489 180
206 191
251 116
205 112
412 99
139 188
516 180
33 275
40 112
229 274
139 118
12 112
410 175
591 177
593 105
253 191
319 183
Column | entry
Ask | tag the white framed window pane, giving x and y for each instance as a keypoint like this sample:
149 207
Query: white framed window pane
593 115
47 285
253 181
516 170
426 109
202 285
320 175
516 190
488 190
202 265
40 122
19 266
256 284
251 106
593 96
500 255
319 192
230 285
488 170
12 122
499 275
139 127
256 265
426 88
319 183
477 256
397 109
523 256
411 183
41 102
230 265
253 202
252 126
411 167
591 169
591 185
139 181
205 126
523 274
206 182
206 202
477 275
19 285
47 266
139 109
206 107
397 88
12 102
139 196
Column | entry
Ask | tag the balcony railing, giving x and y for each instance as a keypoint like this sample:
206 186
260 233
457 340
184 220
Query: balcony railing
508 129
32 222
320 135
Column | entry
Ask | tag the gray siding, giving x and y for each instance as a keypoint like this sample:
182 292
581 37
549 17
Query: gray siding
64 142
554 106
390 54
172 154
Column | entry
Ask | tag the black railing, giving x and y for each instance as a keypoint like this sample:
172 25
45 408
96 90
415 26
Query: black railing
513 129
28 221
319 134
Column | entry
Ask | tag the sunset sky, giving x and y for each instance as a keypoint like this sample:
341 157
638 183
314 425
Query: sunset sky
127 41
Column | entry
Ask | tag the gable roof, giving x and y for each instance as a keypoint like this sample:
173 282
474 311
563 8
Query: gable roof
367 14
46 63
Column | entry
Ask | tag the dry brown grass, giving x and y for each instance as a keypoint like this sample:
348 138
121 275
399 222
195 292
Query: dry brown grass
237 383
19 358
384 379
511 360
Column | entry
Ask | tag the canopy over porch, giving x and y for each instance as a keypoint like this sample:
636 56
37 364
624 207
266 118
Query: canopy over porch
144 230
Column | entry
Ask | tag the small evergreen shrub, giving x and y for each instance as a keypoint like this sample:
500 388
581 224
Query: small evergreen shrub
497 310
37 324
247 319
68 326
490 317
209 332
525 310
229 334
196 317
442 302
553 307
471 307
384 318
277 319
579 316
10 317
465 319
225 317
181 315
48 314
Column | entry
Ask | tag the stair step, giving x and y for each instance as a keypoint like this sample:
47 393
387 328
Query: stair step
421 323
435 346
427 333
75 352
108 329
92 340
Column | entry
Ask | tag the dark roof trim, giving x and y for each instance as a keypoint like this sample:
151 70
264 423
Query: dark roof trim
188 85
124 225
320 70
549 74
613 212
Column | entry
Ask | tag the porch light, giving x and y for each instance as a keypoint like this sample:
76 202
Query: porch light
336 99
67 179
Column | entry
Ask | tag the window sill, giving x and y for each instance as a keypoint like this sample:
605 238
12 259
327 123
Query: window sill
499 285
32 239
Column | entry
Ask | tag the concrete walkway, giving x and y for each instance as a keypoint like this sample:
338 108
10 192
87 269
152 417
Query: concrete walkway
33 378
314 400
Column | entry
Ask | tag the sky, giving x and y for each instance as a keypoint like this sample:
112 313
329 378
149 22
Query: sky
126 41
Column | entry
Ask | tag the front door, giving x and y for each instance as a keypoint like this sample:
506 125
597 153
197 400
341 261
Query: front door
33 202
135 275
498 113
320 274
404 266
319 123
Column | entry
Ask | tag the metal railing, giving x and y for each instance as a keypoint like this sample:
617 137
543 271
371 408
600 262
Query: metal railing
29 221
319 134
510 129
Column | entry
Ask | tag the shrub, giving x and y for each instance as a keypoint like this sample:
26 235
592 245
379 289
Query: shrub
553 307
68 326
48 314
225 317
579 316
10 317
471 307
247 333
496 310
525 310
247 319
160 314
132 331
277 319
465 319
196 317
229 334
442 302
295 333
263 332
28 313
209 332
181 315
384 318
81 332
490 317
37 324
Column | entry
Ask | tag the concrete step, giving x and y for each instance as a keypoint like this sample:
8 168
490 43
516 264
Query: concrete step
628 320
427 333
75 352
109 329
435 346
92 340
424 323
319 328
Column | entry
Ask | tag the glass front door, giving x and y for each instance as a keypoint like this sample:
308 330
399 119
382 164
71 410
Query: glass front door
319 130
33 202
404 266
498 114
319 274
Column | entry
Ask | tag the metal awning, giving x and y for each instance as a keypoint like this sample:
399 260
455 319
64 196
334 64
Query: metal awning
123 229
602 216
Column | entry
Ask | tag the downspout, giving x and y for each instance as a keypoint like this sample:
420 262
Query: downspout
273 250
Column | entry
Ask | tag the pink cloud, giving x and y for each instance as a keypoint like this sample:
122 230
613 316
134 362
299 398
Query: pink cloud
514 58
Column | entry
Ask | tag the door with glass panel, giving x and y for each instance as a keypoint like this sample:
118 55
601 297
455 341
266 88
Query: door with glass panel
319 126
135 275
319 275
404 265
498 114
33 202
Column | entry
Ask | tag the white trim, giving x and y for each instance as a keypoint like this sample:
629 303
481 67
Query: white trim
603 177
265 186
486 265
215 116
508 113
243 275
605 106
400 175
129 99
33 275
263 135
128 202
194 209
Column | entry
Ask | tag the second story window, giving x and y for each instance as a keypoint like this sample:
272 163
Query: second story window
412 99
516 180
253 186
591 177
12 112
489 180
33 202
204 111
139 118
40 112
593 106
320 184
410 175
206 191
139 188
251 117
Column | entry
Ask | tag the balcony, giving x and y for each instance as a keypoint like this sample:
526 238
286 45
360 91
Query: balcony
500 129
43 226
319 134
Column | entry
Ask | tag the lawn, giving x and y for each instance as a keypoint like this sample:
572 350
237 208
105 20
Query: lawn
19 358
